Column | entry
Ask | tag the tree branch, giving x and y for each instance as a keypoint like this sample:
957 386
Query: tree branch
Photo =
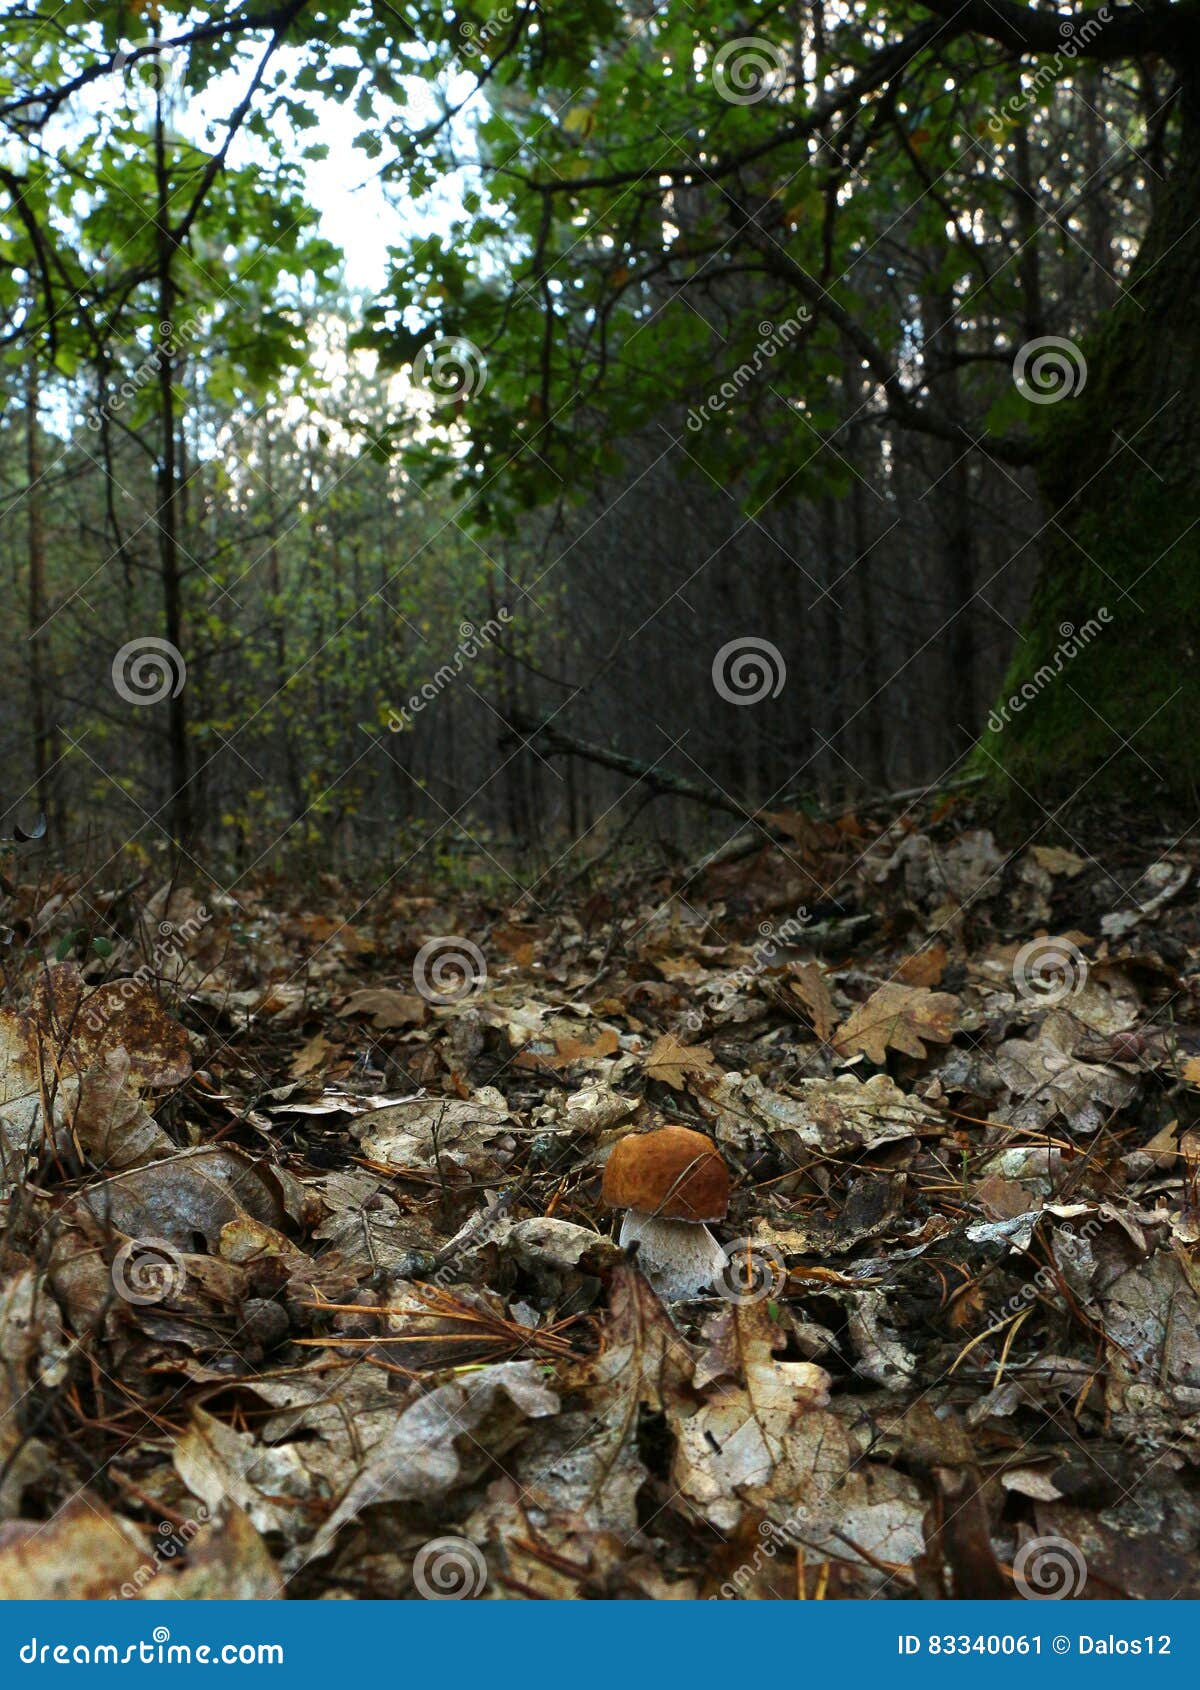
1103 33
661 782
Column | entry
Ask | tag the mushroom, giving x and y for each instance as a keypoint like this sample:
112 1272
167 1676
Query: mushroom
670 1182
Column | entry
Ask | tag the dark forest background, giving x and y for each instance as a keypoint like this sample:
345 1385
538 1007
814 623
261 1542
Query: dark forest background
483 481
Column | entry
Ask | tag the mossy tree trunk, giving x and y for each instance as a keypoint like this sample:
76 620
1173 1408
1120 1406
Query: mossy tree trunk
1104 690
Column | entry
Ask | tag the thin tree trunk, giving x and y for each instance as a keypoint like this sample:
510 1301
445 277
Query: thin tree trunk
44 755
180 803
279 628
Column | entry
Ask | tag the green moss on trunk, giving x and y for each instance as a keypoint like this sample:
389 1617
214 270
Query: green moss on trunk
1120 474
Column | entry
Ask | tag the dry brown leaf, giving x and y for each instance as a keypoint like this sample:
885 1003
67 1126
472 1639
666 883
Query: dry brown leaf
899 1017
468 1137
925 967
387 1007
81 1026
836 1117
441 1442
762 1438
811 836
672 1062
85 1553
517 943
227 1561
1046 1080
316 1053
596 1469
93 1110
1055 860
194 1193
809 984
558 1044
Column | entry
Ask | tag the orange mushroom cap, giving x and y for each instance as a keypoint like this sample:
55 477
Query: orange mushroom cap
673 1173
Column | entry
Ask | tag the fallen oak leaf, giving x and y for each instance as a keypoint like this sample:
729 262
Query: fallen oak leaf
837 1117
387 1007
898 1017
316 1053
84 1553
452 1138
1045 1081
925 967
763 1435
808 983
673 1063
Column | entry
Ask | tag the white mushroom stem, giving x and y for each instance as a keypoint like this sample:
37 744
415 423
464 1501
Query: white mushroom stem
679 1258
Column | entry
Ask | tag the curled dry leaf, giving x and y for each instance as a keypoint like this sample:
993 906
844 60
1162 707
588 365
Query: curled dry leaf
644 1364
837 1117
195 1193
94 1111
1046 1082
274 1484
227 1561
87 1553
762 1436
808 982
561 1042
439 1442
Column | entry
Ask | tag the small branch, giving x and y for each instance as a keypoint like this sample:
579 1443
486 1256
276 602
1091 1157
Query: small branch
660 782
